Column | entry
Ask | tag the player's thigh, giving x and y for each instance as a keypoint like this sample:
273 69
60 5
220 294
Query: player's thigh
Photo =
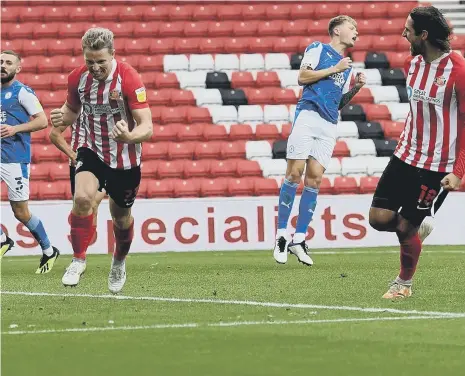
314 169
122 186
426 194
89 176
300 140
16 177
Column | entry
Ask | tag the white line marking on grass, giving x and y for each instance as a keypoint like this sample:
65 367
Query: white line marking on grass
376 252
241 302
223 324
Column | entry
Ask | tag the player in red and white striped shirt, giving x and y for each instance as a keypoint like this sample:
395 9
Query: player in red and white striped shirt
430 158
108 99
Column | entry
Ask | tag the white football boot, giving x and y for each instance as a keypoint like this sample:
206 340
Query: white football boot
117 277
301 251
73 273
280 250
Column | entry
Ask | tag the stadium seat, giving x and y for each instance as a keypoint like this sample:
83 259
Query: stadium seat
170 29
393 76
173 115
196 169
279 149
19 31
187 188
124 30
201 62
284 96
31 14
181 150
236 45
223 114
353 112
226 62
220 28
368 184
146 29
286 130
215 133
267 79
181 12
267 132
165 132
295 27
158 150
363 96
137 46
52 99
204 12
205 97
334 167
242 80
219 168
392 129
341 149
372 130
276 114
278 11
398 111
369 26
361 147
41 171
189 80
213 187
400 9
241 132
172 63
59 190
265 187
376 165
233 97
276 61
234 149
302 11
261 45
376 112
345 185
164 80
250 114
251 62
258 150
189 132
198 115
385 148
133 12
272 167
240 187
166 46
403 95
245 28
288 44
149 169
270 28
288 78
383 94
375 10
150 63
160 97
59 82
394 26
354 166
160 188
217 80
208 150
170 169
248 168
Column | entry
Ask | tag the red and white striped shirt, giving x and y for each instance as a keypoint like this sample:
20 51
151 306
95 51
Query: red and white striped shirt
434 134
103 104
78 134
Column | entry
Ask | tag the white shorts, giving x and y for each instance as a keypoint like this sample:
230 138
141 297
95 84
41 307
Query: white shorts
16 177
311 136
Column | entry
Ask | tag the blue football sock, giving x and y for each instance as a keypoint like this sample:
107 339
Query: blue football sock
306 208
286 200
36 228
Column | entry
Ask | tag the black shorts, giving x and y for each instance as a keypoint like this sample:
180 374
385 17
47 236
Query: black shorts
72 172
411 189
121 185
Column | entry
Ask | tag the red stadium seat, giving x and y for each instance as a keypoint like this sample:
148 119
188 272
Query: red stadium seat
39 81
392 129
297 27
150 63
56 14
137 46
402 44
196 169
173 115
146 29
220 28
248 168
234 149
368 184
254 11
59 81
157 150
46 153
267 132
265 187
10 14
149 169
80 14
160 188
142 191
385 43
261 45
363 96
162 46
240 80
4 191
371 27
394 26
245 28
344 185
220 168
213 187
241 132
187 188
326 10
40 137
198 115
156 114
365 43
182 98
205 12
351 9
302 11
181 12
278 11
341 149
156 12
240 187
376 112
59 171
170 169
286 130
227 12
190 132
52 98
318 27
106 13
71 62
133 12
59 190
288 44
32 14
150 80
181 150
212 46
258 96
163 133
186 45
208 150
41 171
270 28
397 59
195 29
32 47
375 10
171 29
326 187
400 9
124 30
284 96
63 47
49 64
161 97
19 31
237 45
165 80
215 133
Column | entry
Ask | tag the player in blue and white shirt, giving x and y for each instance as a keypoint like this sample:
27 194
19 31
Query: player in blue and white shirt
20 114
325 75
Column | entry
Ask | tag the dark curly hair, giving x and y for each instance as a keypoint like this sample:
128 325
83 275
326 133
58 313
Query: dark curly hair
432 20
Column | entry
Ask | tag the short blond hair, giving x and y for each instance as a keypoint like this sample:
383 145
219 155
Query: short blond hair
339 20
98 38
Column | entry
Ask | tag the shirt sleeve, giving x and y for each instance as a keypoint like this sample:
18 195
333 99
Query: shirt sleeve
73 84
29 101
312 56
459 165
346 87
134 90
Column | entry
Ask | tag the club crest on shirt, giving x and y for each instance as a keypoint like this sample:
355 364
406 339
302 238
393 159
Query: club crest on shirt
141 94
440 81
115 95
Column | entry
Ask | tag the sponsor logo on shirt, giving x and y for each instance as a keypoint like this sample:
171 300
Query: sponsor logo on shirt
338 79
421 95
99 109
141 94
2 117
440 81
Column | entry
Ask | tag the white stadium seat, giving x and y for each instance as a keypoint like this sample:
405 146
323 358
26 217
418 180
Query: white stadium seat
277 61
258 150
399 111
190 80
206 97
361 147
334 167
292 112
173 63
347 129
296 90
201 63
289 78
354 166
226 62
272 167
385 94
276 114
223 114
250 114
377 165
251 62
372 75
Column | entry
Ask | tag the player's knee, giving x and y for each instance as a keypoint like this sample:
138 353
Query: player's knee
294 175
122 221
378 222
313 181
82 202
22 214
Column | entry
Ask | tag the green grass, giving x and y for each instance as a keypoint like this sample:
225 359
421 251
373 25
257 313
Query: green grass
430 346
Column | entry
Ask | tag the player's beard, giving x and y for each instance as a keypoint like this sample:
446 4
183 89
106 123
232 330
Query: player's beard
8 77
417 48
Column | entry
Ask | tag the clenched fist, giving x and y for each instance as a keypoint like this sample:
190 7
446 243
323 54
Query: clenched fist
120 132
343 64
360 80
56 117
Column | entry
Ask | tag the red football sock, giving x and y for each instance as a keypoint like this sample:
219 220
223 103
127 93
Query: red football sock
123 240
93 234
410 250
81 231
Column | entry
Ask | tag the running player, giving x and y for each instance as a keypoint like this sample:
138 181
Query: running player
429 160
326 76
21 113
117 119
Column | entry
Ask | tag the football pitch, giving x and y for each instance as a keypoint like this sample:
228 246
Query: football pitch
236 313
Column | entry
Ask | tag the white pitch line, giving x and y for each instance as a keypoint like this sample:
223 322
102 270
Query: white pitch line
222 324
242 302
